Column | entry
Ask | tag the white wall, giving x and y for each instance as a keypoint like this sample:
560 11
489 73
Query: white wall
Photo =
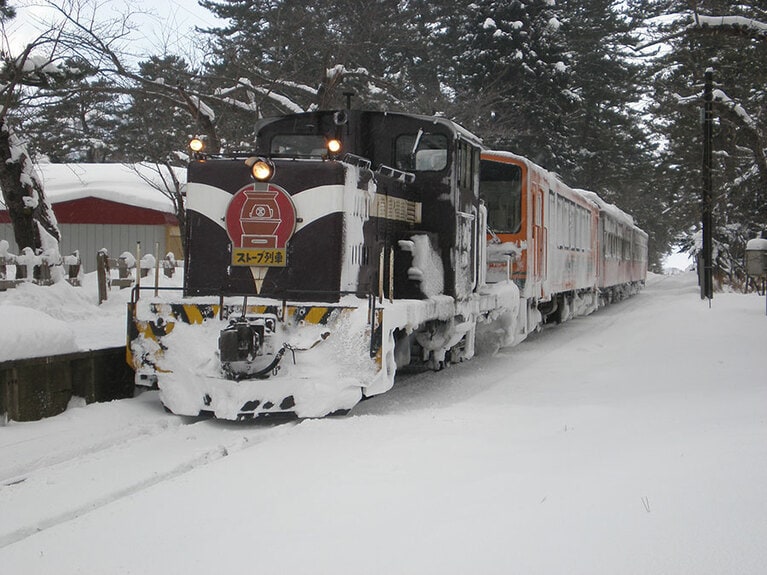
90 238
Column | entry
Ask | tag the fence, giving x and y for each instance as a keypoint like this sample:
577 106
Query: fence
39 269
126 267
112 272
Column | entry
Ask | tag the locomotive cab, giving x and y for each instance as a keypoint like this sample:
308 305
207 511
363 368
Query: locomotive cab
392 176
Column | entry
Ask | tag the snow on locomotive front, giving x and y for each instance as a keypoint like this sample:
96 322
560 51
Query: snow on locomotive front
316 265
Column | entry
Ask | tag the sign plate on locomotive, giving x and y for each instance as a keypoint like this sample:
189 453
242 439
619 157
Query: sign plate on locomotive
260 219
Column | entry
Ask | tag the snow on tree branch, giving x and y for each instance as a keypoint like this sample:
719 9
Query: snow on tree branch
202 108
731 23
340 70
29 177
247 84
697 23
283 101
35 224
752 172
297 86
736 113
720 97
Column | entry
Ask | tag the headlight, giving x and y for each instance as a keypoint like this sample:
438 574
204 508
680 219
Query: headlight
334 146
262 169
196 145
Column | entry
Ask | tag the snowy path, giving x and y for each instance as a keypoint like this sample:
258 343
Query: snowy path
630 441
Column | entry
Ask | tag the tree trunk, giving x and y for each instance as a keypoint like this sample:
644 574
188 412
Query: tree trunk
34 225
179 202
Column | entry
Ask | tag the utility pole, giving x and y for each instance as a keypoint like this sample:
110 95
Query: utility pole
706 278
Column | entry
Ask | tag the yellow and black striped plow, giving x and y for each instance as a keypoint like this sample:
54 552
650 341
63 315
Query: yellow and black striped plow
163 317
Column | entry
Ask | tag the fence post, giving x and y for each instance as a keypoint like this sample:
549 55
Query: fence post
138 269
123 271
169 265
44 273
5 283
102 271
73 268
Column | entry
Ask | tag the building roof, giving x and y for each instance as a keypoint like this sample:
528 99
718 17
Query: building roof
128 184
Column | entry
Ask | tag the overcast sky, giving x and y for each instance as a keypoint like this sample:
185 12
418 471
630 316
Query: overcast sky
161 25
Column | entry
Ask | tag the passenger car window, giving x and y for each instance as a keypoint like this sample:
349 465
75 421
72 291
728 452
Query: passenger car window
500 186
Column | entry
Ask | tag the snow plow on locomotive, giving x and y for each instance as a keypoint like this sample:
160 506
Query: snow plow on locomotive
345 246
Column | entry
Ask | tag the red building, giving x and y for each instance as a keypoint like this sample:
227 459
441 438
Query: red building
110 206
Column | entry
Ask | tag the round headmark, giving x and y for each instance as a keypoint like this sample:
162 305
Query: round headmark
260 219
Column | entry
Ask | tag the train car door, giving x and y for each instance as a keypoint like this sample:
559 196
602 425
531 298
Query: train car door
596 244
505 191
539 234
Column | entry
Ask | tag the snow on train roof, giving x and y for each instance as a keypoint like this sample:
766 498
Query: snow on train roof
604 206
439 119
612 209
512 156
122 183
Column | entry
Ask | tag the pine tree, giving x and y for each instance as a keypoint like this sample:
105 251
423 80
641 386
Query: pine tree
155 126
77 126
287 56
692 44
511 78
611 146
607 138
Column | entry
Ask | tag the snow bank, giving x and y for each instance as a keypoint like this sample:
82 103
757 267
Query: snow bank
60 307
28 332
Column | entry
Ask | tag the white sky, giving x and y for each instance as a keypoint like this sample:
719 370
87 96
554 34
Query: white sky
160 25
170 24
676 260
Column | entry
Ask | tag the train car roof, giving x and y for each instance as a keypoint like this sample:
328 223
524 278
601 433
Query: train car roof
611 209
556 181
466 134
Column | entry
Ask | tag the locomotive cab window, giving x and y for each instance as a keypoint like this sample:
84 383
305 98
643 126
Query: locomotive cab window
500 186
421 152
298 146
467 160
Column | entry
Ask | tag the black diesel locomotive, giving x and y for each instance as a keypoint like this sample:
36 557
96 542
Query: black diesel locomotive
346 245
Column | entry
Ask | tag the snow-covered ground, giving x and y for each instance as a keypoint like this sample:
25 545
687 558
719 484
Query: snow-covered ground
49 320
633 440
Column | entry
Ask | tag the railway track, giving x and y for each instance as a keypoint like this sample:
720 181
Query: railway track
78 474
